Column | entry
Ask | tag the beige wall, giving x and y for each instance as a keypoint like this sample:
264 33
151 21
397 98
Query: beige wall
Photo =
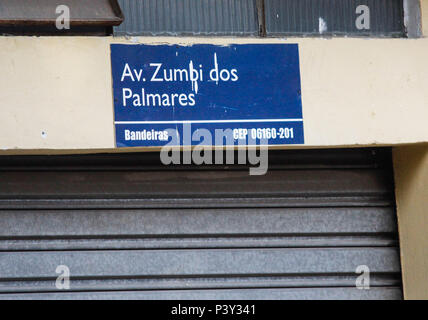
411 179
355 91
57 86
424 13
411 183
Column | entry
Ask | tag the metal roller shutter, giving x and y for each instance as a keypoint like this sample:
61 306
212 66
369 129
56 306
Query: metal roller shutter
128 227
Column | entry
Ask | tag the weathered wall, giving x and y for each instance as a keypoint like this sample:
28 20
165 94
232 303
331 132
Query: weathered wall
411 184
424 14
411 179
57 86
355 91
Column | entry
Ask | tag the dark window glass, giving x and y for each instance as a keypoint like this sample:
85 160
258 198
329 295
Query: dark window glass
372 18
335 17
189 17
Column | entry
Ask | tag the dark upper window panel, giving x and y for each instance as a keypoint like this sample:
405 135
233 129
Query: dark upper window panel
207 17
335 17
263 17
40 16
189 17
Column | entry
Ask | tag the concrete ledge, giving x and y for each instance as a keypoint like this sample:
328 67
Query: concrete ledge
57 92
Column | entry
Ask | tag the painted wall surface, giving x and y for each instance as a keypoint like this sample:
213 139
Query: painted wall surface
56 92
411 179
424 14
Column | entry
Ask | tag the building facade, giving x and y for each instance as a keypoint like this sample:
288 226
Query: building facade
346 200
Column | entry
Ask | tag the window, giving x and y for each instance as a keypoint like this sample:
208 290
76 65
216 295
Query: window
249 18
271 18
50 17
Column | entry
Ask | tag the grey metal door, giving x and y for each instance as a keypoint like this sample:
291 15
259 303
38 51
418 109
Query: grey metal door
127 227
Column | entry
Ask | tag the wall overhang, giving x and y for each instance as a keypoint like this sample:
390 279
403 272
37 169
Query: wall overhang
57 91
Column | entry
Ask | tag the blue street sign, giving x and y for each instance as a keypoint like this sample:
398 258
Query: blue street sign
206 94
